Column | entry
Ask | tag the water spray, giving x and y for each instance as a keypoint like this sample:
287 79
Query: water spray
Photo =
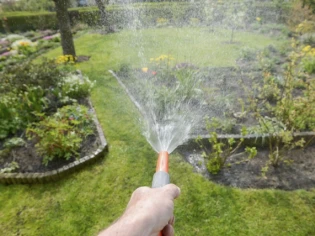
167 122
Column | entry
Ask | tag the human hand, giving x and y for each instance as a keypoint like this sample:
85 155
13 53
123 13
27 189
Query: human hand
149 211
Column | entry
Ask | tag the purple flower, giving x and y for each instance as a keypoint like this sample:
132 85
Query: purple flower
4 42
47 37
5 54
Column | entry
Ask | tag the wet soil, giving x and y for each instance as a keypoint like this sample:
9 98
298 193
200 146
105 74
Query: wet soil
298 172
30 162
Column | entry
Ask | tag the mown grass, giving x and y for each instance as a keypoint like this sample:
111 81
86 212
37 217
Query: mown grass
87 201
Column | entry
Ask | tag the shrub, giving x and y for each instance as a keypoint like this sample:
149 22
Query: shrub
309 64
11 121
298 14
24 90
248 54
76 86
308 59
46 75
308 39
305 27
221 150
61 135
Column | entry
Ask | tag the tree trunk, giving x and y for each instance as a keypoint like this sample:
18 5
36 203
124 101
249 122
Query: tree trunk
232 35
102 9
64 27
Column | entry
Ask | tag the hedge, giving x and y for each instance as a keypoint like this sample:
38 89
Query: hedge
176 12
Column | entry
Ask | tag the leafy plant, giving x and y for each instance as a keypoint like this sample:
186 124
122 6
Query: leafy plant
46 75
10 167
308 39
309 65
61 135
14 142
11 121
289 115
305 27
222 149
76 86
248 54
280 141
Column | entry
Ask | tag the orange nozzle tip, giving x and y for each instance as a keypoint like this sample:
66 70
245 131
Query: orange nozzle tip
162 162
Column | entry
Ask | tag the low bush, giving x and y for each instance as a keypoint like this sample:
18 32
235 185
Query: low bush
61 135
308 39
76 86
46 75
221 150
28 89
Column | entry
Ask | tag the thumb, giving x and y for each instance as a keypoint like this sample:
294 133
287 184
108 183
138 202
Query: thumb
171 190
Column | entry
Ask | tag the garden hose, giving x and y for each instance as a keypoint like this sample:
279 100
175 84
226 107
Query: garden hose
161 176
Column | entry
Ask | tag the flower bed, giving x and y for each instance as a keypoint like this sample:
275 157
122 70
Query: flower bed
45 122
15 48
272 104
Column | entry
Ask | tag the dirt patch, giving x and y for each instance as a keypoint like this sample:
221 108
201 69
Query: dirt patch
83 58
30 162
299 174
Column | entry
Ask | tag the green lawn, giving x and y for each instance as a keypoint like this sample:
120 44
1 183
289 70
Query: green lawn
87 201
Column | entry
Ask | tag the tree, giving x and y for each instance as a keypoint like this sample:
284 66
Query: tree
235 17
64 27
102 10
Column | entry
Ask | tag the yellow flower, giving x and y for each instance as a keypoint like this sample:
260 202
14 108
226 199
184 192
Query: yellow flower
145 69
306 48
258 19
65 59
24 43
312 52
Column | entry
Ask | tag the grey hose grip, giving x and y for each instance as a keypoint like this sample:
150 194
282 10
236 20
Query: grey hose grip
160 179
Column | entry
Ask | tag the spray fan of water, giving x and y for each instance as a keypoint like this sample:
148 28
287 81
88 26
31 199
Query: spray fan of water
169 112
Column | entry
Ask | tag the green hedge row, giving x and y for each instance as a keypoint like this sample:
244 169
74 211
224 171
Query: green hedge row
29 22
177 13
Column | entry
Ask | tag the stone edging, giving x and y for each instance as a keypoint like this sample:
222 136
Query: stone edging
49 176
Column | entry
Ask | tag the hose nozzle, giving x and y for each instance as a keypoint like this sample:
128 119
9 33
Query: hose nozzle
162 162
161 176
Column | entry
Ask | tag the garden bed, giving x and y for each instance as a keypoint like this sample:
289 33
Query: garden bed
49 126
31 168
256 116
296 173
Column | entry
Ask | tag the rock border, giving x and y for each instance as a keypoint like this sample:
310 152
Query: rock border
54 175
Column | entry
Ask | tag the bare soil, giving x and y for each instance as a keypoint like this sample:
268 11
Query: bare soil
30 162
298 173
